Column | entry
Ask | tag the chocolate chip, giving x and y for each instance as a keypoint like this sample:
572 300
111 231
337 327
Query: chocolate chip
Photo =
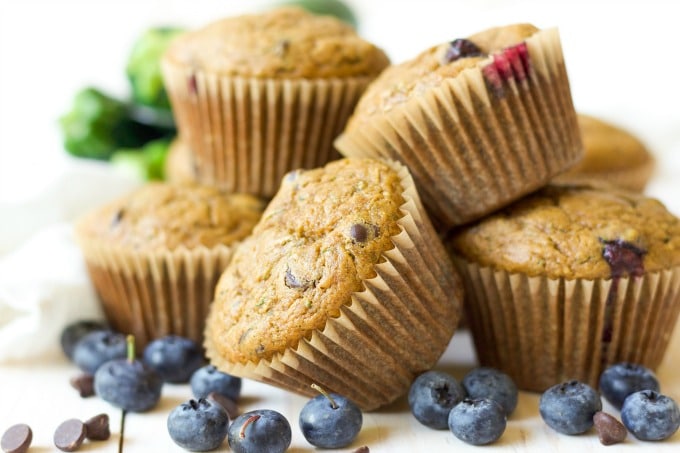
117 217
227 403
69 436
363 449
358 232
294 282
281 48
97 427
84 383
609 429
17 439
461 48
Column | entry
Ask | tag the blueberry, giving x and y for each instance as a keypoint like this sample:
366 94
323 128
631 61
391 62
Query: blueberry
209 379
491 383
621 379
198 425
431 397
129 385
74 332
649 415
461 48
331 421
568 408
174 358
98 347
260 430
477 422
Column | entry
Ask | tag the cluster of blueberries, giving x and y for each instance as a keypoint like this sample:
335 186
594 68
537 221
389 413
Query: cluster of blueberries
476 409
134 384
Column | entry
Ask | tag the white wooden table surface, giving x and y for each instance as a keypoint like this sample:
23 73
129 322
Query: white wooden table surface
39 395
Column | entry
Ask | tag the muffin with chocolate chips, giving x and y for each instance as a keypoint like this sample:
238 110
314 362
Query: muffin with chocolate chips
343 283
154 255
569 280
479 121
258 95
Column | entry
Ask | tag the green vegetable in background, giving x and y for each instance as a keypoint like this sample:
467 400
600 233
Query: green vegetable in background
98 124
143 66
335 8
146 163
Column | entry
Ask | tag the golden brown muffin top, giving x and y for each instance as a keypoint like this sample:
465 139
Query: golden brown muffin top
608 147
320 236
162 216
575 231
399 83
281 43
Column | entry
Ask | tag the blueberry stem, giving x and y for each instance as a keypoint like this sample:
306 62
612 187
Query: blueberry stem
325 393
130 348
251 419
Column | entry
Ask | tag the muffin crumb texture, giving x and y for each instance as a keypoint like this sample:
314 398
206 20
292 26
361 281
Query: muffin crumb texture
570 230
282 43
318 239
164 217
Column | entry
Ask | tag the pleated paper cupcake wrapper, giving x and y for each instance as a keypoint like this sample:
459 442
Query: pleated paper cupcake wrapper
545 331
151 295
395 329
247 133
483 138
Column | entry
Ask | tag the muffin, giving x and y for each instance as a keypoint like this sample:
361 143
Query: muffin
154 255
569 280
179 163
344 283
479 121
258 95
611 154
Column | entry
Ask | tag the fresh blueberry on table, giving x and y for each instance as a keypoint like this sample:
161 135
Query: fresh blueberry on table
621 379
128 383
75 331
209 379
484 382
260 430
330 420
477 422
198 425
431 397
174 358
569 407
98 347
649 415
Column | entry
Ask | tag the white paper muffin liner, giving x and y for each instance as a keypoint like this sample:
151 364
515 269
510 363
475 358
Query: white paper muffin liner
398 327
247 133
151 295
544 331
481 139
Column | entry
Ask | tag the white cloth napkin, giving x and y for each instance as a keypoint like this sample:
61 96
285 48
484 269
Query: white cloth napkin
44 285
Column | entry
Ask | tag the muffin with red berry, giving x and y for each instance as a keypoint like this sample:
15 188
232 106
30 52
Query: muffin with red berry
480 121
569 280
